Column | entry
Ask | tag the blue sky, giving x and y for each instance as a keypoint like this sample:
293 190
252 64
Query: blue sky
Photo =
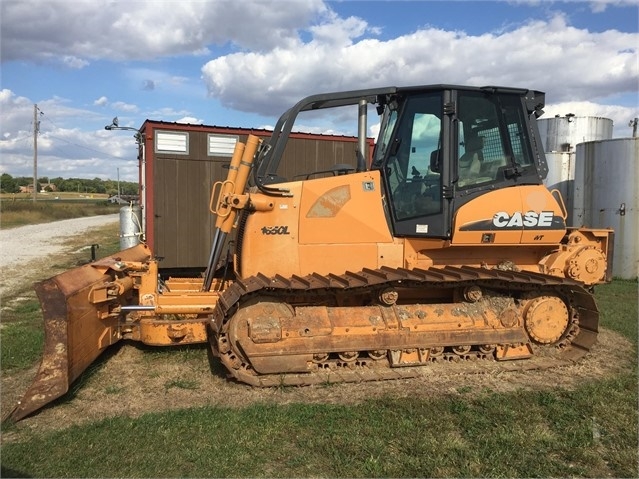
242 63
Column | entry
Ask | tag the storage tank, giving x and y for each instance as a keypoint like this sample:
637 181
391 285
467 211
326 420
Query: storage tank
130 226
560 136
563 133
606 196
561 175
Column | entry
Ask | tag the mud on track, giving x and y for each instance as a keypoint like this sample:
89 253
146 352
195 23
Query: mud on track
132 380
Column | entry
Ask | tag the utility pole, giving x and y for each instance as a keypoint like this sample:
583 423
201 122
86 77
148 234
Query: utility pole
36 127
118 185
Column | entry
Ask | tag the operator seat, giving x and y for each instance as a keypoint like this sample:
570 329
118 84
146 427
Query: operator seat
470 162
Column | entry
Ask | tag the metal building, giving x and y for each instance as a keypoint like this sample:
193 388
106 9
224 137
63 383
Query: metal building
179 164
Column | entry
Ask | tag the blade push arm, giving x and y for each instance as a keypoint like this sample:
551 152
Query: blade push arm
228 202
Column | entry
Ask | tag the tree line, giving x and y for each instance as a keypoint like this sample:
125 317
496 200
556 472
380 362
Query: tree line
10 184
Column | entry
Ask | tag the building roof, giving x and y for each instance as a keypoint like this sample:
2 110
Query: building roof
229 130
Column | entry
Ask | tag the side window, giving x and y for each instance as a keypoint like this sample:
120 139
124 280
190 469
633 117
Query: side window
517 134
485 146
481 149
414 174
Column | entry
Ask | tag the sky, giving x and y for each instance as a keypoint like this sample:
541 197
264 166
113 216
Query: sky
243 63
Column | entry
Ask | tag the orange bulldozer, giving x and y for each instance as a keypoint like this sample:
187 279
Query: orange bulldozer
445 246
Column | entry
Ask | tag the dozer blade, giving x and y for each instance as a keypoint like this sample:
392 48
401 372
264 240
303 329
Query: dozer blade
75 335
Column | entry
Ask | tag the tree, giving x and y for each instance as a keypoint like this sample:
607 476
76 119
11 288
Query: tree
8 184
23 180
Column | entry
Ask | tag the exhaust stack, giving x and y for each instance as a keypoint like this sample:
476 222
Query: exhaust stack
361 134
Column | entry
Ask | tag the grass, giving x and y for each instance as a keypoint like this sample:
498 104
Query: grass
617 303
22 336
180 384
23 212
590 432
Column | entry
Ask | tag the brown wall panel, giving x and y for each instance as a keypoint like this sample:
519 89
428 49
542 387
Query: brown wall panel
181 222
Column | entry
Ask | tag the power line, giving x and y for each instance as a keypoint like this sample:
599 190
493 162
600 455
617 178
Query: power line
81 146
88 148
78 145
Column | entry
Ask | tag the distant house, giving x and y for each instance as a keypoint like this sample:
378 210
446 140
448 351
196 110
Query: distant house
44 187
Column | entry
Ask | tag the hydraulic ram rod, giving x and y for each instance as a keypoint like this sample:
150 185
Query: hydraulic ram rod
226 212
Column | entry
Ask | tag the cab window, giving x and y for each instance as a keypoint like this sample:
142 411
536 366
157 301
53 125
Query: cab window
491 138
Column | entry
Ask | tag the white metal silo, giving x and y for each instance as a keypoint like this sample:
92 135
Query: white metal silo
563 133
560 136
606 195
561 175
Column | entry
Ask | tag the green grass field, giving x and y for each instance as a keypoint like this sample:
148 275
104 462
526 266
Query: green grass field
589 430
583 433
19 210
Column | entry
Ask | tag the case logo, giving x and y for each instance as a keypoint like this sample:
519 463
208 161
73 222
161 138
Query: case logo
530 219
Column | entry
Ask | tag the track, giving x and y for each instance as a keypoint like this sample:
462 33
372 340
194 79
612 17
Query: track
362 288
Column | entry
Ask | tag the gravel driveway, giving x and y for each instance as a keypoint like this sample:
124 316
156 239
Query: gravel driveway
25 244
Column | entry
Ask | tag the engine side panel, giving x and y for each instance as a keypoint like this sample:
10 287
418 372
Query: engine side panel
527 214
343 209
328 225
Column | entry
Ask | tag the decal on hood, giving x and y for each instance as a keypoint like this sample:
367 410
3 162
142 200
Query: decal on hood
530 220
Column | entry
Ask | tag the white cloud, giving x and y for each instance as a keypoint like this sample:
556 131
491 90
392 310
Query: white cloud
126 107
281 54
167 114
572 63
335 31
74 62
74 153
102 101
74 32
190 120
17 115
62 151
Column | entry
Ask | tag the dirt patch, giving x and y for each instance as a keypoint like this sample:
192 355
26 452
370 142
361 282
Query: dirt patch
132 380
32 252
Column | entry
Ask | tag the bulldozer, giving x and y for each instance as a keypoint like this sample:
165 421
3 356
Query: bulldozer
442 244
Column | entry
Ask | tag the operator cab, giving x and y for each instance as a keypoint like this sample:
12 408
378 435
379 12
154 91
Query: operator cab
439 147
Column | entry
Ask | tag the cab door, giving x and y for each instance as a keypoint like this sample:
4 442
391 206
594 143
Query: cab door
415 167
